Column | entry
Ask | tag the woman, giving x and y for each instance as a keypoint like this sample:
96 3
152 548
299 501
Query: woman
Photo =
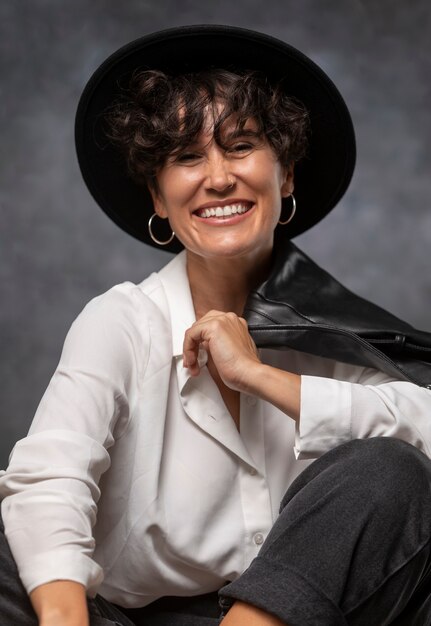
165 419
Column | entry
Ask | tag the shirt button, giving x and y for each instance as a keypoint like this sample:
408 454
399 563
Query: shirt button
258 539
252 471
251 401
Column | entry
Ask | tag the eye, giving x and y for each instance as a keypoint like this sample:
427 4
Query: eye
241 148
187 157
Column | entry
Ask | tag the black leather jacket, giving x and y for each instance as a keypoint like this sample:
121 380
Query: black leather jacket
301 306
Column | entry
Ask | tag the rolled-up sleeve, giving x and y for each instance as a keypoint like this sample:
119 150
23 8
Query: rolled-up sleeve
50 489
360 403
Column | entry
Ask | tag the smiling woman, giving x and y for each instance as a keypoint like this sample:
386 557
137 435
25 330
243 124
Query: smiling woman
148 490
227 151
224 201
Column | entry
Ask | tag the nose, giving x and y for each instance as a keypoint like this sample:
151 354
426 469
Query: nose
219 176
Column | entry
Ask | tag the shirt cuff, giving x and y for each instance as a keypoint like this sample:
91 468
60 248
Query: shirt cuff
325 418
62 565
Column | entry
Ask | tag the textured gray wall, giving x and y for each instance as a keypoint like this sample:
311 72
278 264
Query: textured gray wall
57 249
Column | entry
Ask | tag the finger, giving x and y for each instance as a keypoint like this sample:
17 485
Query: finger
192 341
198 336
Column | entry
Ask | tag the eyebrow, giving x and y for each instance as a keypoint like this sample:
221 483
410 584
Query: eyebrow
236 133
244 132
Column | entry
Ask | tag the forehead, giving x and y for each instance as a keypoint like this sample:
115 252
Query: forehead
215 117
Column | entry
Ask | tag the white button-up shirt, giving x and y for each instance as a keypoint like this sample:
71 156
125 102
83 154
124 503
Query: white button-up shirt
124 435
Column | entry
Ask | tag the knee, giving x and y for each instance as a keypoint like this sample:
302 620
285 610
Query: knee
386 455
389 470
379 471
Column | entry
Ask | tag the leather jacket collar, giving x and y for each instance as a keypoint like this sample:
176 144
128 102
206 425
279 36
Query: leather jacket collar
301 306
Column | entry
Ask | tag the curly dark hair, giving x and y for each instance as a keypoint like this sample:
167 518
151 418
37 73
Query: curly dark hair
160 115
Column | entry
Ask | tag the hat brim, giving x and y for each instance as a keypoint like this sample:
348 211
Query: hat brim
321 178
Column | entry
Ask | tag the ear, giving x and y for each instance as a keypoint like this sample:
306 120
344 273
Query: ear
159 205
288 186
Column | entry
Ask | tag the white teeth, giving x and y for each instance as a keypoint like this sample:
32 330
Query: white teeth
224 211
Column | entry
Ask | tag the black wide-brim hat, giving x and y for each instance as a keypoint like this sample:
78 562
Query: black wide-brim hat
320 179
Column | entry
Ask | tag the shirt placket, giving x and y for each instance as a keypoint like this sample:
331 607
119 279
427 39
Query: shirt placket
255 494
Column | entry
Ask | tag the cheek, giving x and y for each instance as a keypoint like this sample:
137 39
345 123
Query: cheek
274 199
268 175
177 190
271 189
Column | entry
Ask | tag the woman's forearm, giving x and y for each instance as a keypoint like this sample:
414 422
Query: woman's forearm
280 388
60 603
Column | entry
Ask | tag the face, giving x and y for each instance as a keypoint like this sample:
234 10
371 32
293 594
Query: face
224 202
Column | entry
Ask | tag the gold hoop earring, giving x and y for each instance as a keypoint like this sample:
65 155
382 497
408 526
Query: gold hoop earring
160 243
293 211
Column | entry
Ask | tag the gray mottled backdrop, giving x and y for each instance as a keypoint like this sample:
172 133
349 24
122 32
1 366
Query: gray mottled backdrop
58 249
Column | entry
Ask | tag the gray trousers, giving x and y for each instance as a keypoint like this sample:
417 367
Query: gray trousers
351 547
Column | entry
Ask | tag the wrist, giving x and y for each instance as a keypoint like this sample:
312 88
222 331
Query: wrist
78 617
280 388
254 384
65 616
60 603
79 621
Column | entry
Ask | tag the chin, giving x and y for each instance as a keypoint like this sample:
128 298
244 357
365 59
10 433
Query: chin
235 250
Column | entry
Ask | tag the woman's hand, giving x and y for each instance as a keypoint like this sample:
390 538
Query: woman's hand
225 336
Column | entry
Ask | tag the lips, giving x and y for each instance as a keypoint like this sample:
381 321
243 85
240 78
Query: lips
224 211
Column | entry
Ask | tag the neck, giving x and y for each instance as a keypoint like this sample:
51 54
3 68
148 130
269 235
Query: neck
224 284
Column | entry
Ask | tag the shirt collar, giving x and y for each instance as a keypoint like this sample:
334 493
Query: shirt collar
174 279
199 395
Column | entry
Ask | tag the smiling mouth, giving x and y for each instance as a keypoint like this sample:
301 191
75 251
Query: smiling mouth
224 211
